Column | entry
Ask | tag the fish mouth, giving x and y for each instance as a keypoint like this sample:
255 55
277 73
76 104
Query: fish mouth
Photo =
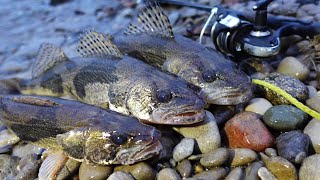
139 153
229 96
148 151
185 117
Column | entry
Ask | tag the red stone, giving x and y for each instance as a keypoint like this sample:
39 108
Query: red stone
246 130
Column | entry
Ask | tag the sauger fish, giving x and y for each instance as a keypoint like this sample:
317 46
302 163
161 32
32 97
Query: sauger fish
151 39
84 132
105 78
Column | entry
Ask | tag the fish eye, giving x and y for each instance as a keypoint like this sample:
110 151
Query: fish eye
119 139
195 88
164 96
209 76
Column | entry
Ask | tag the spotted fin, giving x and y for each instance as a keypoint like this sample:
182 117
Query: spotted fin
151 20
48 56
52 165
94 44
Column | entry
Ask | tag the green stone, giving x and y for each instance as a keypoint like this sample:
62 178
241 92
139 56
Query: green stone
284 117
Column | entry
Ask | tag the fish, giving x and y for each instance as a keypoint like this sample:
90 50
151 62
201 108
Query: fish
151 39
86 133
103 77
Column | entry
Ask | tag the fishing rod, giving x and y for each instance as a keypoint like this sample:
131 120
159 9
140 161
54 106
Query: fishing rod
243 34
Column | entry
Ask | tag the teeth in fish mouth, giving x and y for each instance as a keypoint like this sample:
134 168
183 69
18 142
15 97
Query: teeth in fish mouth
187 114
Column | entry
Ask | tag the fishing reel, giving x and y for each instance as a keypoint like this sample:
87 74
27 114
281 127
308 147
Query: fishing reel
242 35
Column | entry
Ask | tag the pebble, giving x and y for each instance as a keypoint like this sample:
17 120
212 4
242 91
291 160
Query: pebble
284 118
23 149
7 137
252 170
293 146
271 152
167 147
291 85
265 174
120 175
8 166
28 168
215 158
94 172
168 174
212 174
258 105
279 167
184 168
312 91
314 103
184 149
245 130
309 169
222 113
140 171
243 156
198 168
312 130
206 133
235 174
291 66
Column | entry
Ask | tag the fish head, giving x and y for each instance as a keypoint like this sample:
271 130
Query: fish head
221 81
166 100
103 145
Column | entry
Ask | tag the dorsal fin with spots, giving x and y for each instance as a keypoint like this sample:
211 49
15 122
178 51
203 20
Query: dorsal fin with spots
94 44
48 56
151 20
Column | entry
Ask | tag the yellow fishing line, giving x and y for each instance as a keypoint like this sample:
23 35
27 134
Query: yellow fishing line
287 96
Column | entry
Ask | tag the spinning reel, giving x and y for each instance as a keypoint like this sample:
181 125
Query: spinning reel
239 35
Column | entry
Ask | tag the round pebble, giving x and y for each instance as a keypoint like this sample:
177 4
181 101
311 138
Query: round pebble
309 169
184 149
168 174
293 146
245 130
265 174
206 133
279 167
24 149
140 171
252 170
7 137
212 174
312 130
120 175
284 118
291 66
271 152
291 85
94 172
258 105
314 103
215 158
235 174
243 156
184 167
312 91
28 168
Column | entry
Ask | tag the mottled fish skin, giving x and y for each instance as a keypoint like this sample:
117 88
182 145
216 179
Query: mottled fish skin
84 132
220 80
125 85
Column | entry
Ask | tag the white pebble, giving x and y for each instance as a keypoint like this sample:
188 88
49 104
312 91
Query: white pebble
258 105
184 149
